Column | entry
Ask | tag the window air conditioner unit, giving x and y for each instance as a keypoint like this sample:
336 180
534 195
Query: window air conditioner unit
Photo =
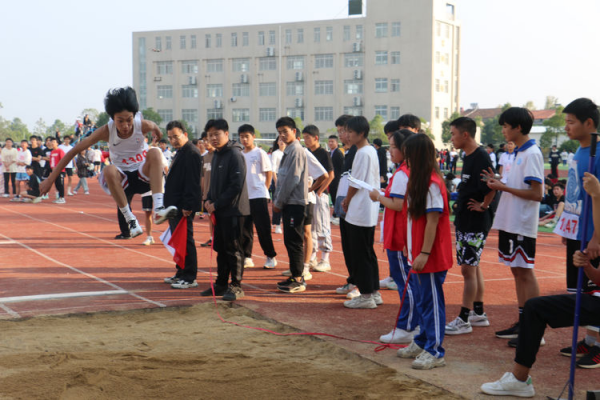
157 78
244 78
299 102
299 77
218 104
357 47
270 51
192 80
358 74
357 102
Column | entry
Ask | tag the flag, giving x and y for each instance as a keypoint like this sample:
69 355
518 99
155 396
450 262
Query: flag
176 242
164 238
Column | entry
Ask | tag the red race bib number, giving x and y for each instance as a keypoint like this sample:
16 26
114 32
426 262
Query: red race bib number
567 226
135 160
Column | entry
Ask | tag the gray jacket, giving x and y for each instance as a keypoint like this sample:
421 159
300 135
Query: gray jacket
292 178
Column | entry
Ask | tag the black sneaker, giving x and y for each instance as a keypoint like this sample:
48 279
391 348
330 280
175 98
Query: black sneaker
591 359
206 244
582 349
515 342
233 293
510 333
292 285
122 237
219 291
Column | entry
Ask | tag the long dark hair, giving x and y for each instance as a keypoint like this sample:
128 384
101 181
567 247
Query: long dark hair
419 153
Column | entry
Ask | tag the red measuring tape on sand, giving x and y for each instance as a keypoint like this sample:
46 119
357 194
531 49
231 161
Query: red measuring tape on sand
380 346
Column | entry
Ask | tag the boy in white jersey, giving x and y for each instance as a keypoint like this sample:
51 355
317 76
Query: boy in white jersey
134 168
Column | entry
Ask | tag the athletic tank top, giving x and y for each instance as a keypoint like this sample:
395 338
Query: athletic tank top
127 154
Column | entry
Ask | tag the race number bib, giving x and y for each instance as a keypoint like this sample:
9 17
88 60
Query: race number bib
567 226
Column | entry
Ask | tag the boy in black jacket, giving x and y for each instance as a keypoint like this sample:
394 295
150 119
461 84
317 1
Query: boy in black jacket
227 200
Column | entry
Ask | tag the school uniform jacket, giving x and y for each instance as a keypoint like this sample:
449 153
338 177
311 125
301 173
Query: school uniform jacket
182 188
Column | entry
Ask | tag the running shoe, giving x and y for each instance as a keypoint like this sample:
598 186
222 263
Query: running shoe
162 214
122 237
397 336
591 359
149 241
172 279
219 291
478 320
582 349
377 297
322 266
458 327
134 228
410 351
270 263
361 302
233 293
508 385
347 288
248 263
278 230
354 293
292 285
207 243
383 284
510 333
183 284
60 200
426 360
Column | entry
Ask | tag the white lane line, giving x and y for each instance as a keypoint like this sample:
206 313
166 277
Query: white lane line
84 273
36 297
7 242
10 311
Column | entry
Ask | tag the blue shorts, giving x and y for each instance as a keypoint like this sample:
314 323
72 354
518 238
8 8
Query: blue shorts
22 176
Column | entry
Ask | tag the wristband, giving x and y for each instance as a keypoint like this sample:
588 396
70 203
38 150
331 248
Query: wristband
484 207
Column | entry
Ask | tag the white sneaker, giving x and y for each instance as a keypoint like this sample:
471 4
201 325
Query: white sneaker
134 228
86 193
410 351
508 385
397 336
335 221
248 263
377 297
383 284
458 327
6 195
306 274
37 200
322 266
74 192
347 288
181 284
278 229
354 293
70 194
361 302
162 214
478 320
149 241
312 264
60 200
426 360
270 263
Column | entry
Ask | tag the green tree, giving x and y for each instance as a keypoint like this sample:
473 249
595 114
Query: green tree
91 112
58 125
446 127
257 134
551 103
40 127
569 145
102 120
554 129
299 124
151 115
491 132
376 126
18 130
529 105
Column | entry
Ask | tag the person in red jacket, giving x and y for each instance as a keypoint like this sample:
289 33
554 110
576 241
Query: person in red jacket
429 249
55 156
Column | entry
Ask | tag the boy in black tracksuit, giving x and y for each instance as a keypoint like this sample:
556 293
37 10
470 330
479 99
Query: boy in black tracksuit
227 200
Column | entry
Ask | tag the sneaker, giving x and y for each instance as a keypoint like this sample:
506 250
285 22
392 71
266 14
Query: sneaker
410 351
134 228
74 192
515 342
270 263
86 193
361 302
60 200
582 349
233 293
6 195
426 360
347 288
377 297
278 229
27 200
383 284
508 385
162 214
122 237
70 194
207 243
458 327
15 199
306 275
312 264
149 240
173 279
219 291
248 263
354 293
335 221
510 333
44 197
37 200
183 284
292 285
392 285
322 266
591 359
478 320
397 336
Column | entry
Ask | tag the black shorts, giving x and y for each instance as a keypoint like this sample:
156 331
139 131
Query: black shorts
97 162
147 203
308 214
516 250
69 171
135 184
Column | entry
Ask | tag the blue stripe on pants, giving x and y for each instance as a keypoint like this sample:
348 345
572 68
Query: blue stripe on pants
399 269
432 308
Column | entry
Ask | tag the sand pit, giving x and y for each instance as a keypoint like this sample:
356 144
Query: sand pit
185 354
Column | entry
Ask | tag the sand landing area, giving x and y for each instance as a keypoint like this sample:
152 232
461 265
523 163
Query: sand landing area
185 353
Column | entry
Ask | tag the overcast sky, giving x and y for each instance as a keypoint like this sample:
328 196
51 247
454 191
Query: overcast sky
59 57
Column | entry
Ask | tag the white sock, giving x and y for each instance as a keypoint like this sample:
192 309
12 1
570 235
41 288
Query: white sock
127 213
325 256
157 200
306 266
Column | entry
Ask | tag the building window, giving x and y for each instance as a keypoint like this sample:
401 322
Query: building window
295 62
164 68
267 114
182 42
294 89
381 58
437 113
261 38
394 113
193 41
446 87
329 33
447 31
241 89
189 67
359 32
207 41
395 29
300 35
245 39
352 60
381 30
447 60
219 40
166 115
164 91
168 43
158 43
383 111
214 90
323 87
190 116
353 87
267 89
395 85
381 85
437 85
241 115
189 91
324 61
288 36
143 89
347 32
272 37
241 64
445 113
395 57
234 39
323 113
214 65
437 57
295 113
214 113
317 35
438 29
354 111
268 64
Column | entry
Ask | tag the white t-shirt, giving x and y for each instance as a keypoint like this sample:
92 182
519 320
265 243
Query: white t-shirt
66 148
365 167
315 171
25 158
515 214
257 165
493 158
276 157
434 203
168 155
506 160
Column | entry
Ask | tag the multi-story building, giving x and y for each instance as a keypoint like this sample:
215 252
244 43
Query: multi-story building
401 56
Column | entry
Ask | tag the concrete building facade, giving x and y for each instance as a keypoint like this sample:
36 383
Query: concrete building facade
401 56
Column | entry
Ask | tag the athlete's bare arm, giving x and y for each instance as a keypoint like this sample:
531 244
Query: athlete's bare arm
100 134
150 126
